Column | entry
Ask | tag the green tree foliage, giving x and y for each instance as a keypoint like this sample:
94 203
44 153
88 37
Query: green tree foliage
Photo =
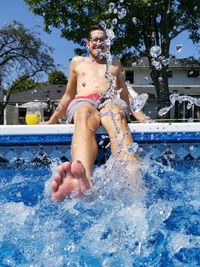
137 24
22 54
23 84
57 77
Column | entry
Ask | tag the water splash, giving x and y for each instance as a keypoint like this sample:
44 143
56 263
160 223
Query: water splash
165 61
155 51
156 64
138 102
179 47
122 13
135 20
178 98
155 222
111 6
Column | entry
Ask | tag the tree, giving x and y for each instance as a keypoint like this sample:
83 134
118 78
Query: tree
23 84
57 77
139 25
22 54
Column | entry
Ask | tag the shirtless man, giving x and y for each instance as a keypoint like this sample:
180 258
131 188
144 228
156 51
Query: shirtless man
84 101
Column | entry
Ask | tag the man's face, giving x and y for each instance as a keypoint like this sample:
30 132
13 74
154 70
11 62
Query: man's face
97 44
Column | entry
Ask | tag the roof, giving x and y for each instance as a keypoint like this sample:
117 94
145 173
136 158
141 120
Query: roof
187 63
48 92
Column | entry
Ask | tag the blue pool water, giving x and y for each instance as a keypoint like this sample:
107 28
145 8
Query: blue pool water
154 223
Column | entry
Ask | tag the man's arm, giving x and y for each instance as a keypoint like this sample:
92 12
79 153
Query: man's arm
69 94
127 97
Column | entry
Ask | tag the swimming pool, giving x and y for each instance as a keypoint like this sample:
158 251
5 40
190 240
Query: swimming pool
156 224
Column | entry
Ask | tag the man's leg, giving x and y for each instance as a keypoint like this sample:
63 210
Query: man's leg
115 123
76 176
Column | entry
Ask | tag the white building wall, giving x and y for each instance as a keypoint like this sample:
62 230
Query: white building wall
142 77
180 77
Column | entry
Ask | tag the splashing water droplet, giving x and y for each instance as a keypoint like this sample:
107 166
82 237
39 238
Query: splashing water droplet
138 102
110 34
133 148
158 18
191 72
114 21
179 47
156 64
192 148
122 13
111 5
163 111
189 105
155 51
102 24
134 20
101 142
165 61
173 98
115 11
190 120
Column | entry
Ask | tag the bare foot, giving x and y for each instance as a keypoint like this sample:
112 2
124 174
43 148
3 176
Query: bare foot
69 179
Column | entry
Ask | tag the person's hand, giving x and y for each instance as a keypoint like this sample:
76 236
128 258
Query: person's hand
48 122
148 120
44 122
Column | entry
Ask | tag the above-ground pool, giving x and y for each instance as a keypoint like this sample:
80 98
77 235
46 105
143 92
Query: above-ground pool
154 223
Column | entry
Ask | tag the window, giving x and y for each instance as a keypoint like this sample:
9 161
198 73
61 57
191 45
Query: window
129 76
193 73
170 74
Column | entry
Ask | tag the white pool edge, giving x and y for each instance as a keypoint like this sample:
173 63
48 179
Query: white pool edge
69 128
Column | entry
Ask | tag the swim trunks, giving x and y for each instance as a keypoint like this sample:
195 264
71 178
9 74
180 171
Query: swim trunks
97 101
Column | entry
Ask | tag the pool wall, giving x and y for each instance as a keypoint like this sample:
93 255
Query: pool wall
41 143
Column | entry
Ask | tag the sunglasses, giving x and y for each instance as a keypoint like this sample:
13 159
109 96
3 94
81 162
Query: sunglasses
100 40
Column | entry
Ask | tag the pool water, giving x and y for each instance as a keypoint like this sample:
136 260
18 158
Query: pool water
154 223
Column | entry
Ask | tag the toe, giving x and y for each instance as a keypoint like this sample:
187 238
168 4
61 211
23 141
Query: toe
54 186
77 169
58 178
66 166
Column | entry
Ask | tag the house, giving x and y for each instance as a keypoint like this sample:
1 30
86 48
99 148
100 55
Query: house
50 94
184 79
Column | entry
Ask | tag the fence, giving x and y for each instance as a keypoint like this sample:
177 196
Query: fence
14 114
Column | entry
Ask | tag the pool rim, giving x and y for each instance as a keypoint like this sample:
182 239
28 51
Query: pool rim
52 129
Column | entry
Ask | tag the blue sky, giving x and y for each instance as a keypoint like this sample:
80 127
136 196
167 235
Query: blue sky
63 49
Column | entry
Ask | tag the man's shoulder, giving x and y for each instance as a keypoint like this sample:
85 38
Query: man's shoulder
78 59
116 62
